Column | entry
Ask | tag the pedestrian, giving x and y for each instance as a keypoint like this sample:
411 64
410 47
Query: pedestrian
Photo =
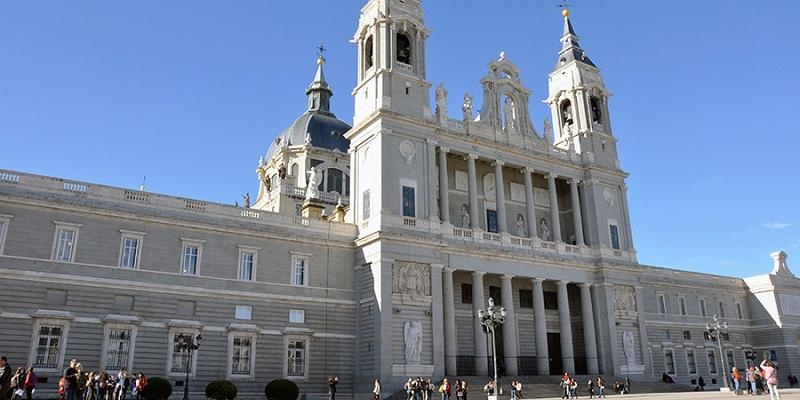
5 378
30 383
70 376
141 383
376 390
771 375
601 387
701 383
332 382
16 384
445 389
590 385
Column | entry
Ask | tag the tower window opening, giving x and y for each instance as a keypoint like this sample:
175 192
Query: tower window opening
597 114
369 52
566 112
403 48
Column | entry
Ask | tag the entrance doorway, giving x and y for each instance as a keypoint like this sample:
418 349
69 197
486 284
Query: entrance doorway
554 352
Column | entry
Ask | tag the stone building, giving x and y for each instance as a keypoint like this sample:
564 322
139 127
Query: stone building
369 248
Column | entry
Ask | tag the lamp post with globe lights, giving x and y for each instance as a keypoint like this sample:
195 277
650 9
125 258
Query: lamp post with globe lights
492 318
188 343
716 330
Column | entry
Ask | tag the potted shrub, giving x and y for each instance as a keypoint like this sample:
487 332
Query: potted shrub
281 389
221 390
157 389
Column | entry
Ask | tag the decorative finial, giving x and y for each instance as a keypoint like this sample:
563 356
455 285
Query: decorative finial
502 55
565 6
321 54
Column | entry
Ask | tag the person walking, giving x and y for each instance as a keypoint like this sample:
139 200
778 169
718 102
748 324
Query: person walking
601 387
332 382
5 378
771 375
70 376
376 390
30 383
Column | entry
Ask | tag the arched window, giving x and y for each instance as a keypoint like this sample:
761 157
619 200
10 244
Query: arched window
566 112
294 169
597 113
334 180
369 53
403 48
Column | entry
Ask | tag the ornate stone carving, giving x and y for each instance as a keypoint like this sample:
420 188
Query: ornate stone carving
462 180
412 333
608 195
625 301
408 151
628 346
411 278
779 266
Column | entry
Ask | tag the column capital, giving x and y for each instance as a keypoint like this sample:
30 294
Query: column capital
527 170
431 141
550 175
478 273
448 270
575 181
506 277
471 156
562 283
444 149
537 281
437 266
499 163
585 285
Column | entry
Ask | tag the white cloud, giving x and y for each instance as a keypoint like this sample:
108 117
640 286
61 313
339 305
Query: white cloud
775 225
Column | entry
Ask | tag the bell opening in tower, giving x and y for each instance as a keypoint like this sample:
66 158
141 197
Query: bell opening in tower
403 49
369 52
566 112
597 115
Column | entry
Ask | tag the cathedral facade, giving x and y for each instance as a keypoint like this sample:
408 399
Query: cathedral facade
370 248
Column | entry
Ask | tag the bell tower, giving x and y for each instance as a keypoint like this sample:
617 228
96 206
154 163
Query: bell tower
578 101
391 39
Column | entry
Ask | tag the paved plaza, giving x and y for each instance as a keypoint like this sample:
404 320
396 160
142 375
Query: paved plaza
786 394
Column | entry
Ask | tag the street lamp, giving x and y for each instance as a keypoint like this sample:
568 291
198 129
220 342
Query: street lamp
188 343
715 330
492 318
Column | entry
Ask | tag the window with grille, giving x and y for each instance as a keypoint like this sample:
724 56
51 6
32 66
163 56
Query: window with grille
65 242
299 264
180 358
241 357
690 360
118 350
712 362
246 265
48 346
296 358
130 252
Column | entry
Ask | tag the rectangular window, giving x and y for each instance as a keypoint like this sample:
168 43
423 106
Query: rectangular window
682 302
65 242
712 362
739 313
550 300
614 231
721 309
241 360
180 358
130 252
662 304
491 221
4 221
297 316
466 293
669 362
191 256
703 311
248 257
525 298
687 335
48 347
365 205
409 202
118 349
667 334
690 360
299 270
729 357
725 336
296 359
244 312
707 336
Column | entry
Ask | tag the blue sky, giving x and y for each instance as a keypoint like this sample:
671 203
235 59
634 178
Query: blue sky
190 93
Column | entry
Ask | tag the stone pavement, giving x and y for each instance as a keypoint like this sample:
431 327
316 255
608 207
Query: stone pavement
786 394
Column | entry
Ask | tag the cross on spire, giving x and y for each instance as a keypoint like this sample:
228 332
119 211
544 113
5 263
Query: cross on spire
321 50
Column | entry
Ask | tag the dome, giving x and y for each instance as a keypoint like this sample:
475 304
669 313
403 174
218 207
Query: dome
318 125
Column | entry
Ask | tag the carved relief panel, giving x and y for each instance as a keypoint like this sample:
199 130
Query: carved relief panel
411 278
625 301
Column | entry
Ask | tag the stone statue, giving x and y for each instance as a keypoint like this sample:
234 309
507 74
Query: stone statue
413 339
544 230
521 231
312 188
467 107
628 347
308 137
548 131
441 100
282 171
780 267
465 218
246 198
510 116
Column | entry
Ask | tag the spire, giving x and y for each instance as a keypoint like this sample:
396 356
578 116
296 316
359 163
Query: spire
319 93
570 49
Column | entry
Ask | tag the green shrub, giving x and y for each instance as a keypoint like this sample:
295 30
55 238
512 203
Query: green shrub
221 390
157 389
281 389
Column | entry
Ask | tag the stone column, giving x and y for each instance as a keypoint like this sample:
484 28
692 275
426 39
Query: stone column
589 339
554 215
473 192
500 196
510 326
450 347
530 201
576 212
382 285
540 328
478 303
565 328
437 317
444 188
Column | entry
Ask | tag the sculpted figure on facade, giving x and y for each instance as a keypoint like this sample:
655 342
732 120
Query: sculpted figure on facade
314 179
544 230
465 218
411 278
466 108
413 341
510 116
628 346
625 301
548 131
521 230
441 101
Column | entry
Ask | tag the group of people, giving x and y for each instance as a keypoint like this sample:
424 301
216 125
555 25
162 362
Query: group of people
77 384
759 379
18 384
594 387
419 388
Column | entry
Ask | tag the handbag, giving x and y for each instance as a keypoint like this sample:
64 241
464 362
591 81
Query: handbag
19 392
